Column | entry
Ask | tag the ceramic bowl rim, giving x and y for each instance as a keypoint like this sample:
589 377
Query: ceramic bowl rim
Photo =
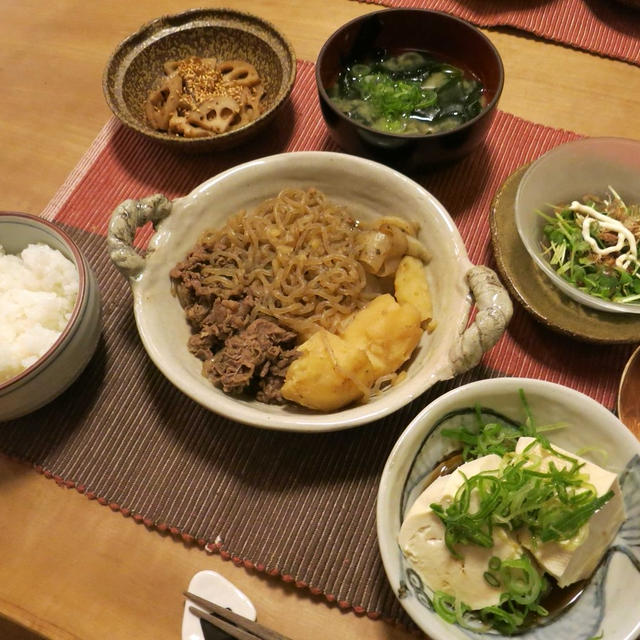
147 30
83 280
528 242
410 136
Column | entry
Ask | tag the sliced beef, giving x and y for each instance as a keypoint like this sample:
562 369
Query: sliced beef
226 318
272 378
256 357
238 353
186 275
190 277
196 313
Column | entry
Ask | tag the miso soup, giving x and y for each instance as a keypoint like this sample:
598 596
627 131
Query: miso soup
409 93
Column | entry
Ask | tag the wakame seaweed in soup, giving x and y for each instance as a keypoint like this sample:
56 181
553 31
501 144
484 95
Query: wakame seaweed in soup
409 93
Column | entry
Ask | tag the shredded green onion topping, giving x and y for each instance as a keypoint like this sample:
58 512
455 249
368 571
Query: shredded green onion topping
552 504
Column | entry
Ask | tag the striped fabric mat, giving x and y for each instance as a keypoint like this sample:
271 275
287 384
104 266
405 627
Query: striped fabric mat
606 27
298 506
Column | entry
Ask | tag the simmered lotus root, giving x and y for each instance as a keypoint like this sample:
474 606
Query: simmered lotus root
216 114
251 99
239 71
201 97
163 102
171 66
180 125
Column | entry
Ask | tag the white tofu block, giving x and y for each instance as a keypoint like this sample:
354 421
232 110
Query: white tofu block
422 542
576 559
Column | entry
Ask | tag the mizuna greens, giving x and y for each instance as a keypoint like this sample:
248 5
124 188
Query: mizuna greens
593 244
411 93
552 503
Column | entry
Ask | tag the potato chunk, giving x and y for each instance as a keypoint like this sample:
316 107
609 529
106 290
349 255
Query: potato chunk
386 331
329 374
334 371
411 287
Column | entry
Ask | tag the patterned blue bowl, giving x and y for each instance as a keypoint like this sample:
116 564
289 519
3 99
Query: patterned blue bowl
608 604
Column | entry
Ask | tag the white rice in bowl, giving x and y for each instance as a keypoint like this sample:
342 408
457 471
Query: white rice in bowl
38 290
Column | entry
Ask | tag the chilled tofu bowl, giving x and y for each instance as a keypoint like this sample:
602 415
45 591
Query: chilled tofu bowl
511 506
227 320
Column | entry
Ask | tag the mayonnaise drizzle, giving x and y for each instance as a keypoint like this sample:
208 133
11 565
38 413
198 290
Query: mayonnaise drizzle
607 223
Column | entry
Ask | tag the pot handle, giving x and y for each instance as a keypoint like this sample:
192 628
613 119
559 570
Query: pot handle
126 218
494 310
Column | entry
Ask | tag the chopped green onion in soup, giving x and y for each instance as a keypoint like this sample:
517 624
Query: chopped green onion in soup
411 93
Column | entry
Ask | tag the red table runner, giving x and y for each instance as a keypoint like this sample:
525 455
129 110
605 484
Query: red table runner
299 506
606 27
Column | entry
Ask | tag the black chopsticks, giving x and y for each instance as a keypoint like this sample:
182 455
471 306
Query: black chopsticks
231 623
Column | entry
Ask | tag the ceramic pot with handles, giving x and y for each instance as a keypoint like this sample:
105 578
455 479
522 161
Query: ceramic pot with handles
368 189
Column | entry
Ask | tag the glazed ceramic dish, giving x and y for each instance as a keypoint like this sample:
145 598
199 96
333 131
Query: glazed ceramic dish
136 65
445 37
49 376
566 173
629 394
368 189
608 603
533 289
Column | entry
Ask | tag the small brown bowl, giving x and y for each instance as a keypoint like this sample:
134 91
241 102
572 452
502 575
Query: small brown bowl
396 30
136 66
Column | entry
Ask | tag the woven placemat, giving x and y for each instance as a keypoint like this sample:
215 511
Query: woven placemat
299 506
606 27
